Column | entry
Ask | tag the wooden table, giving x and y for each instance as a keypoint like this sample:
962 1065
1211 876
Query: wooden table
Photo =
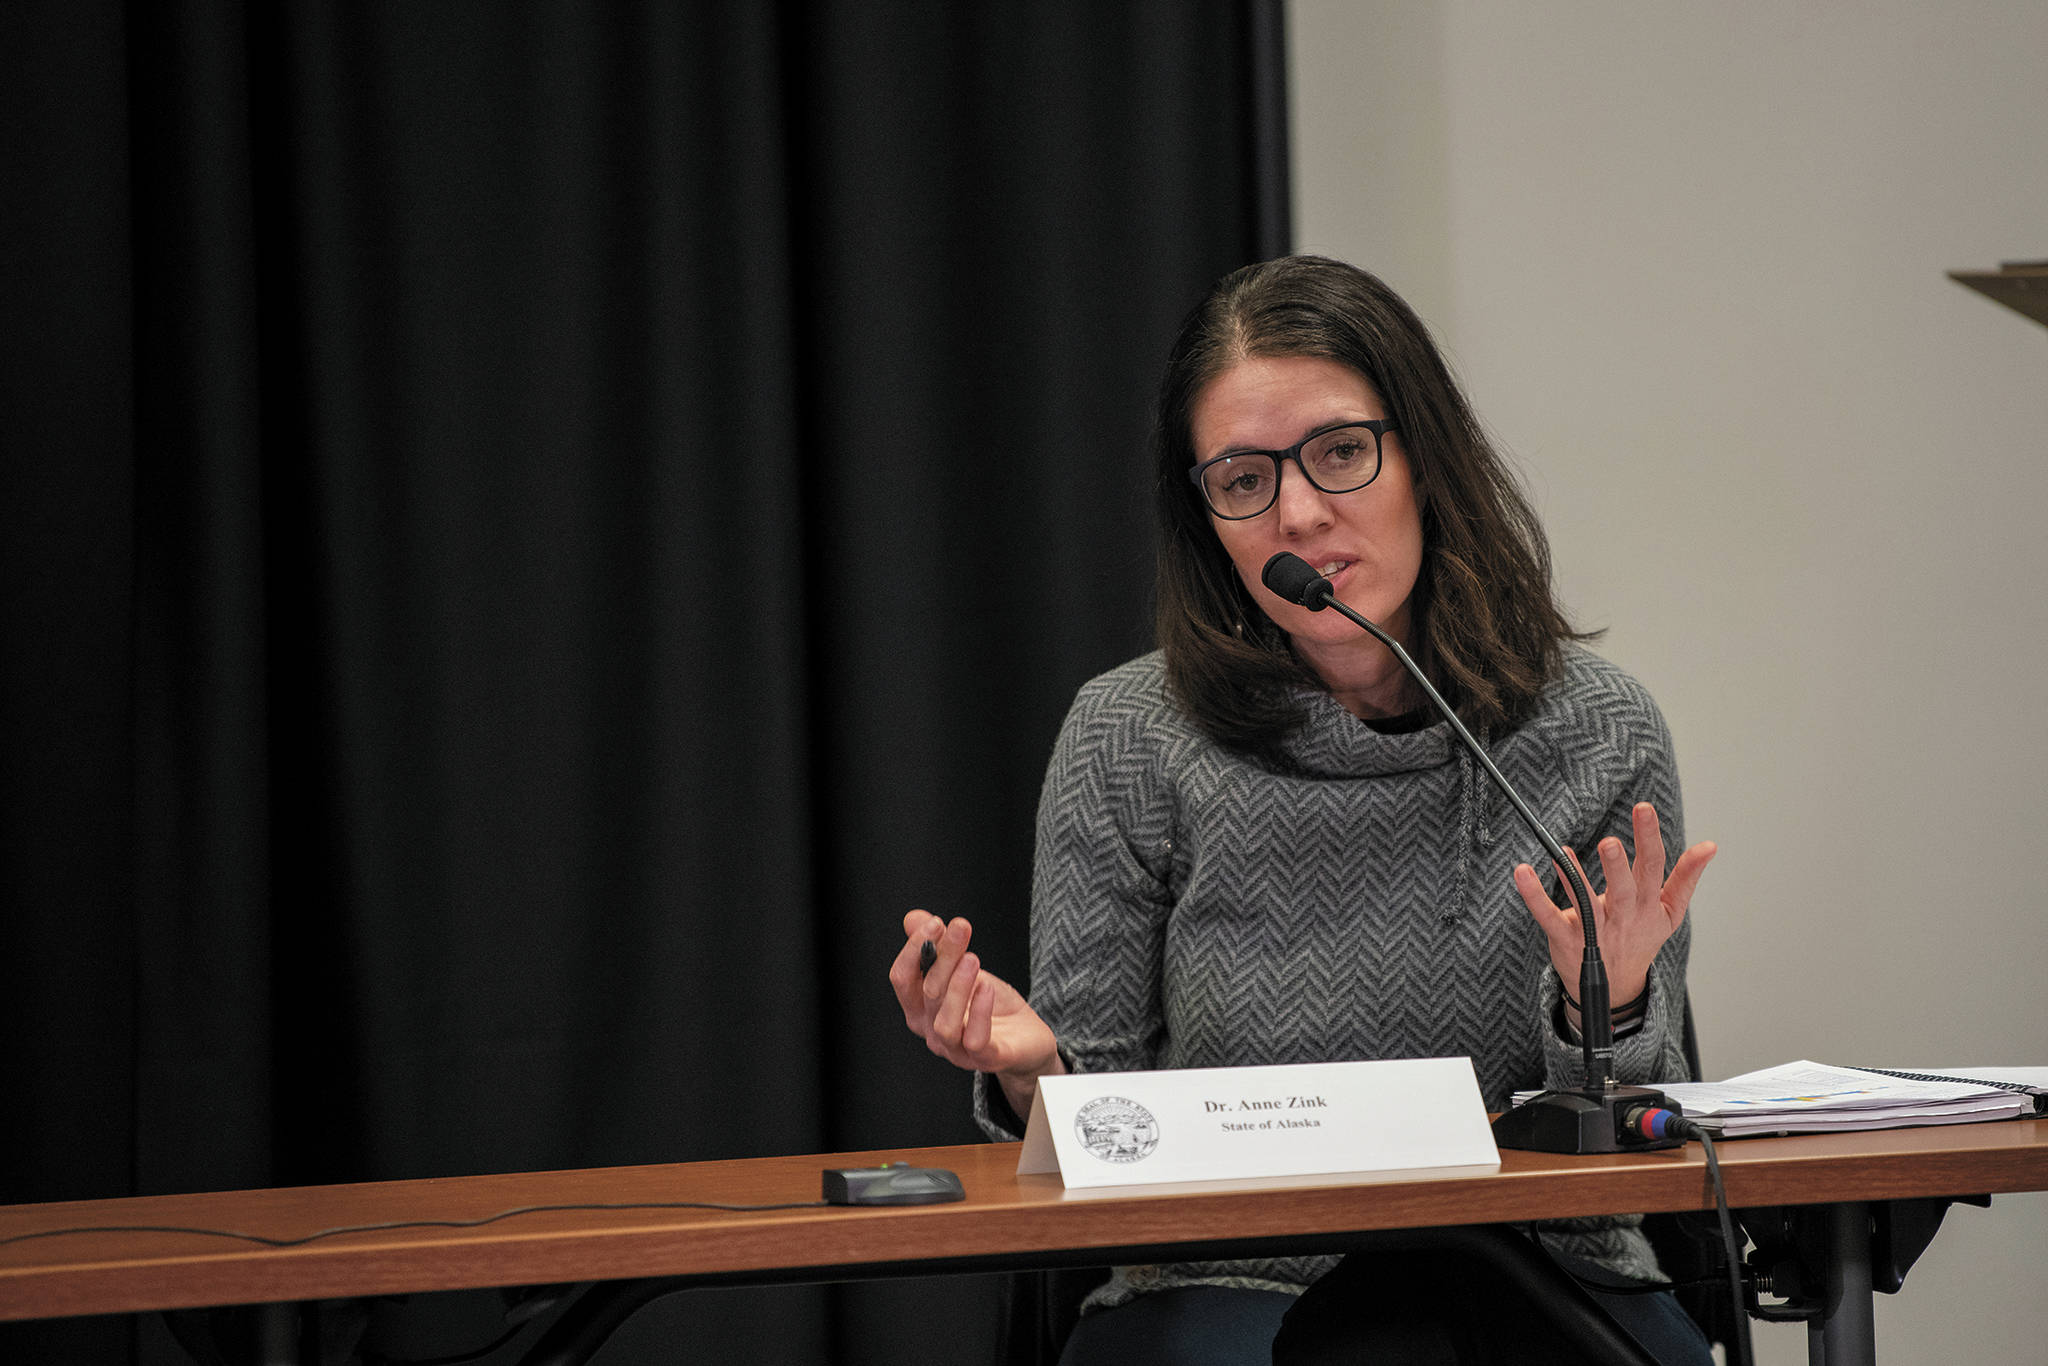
1006 1222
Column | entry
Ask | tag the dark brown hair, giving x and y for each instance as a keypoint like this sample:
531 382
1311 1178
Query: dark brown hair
1487 627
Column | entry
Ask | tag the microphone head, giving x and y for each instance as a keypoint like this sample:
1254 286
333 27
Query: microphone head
1291 577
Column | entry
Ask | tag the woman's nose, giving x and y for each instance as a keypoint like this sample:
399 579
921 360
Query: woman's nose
1302 506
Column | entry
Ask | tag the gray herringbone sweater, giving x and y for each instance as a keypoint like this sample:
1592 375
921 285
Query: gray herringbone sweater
1194 908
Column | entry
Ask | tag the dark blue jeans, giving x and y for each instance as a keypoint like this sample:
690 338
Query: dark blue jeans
1199 1326
1418 1312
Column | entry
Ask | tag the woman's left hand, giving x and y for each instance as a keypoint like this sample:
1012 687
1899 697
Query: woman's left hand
1640 909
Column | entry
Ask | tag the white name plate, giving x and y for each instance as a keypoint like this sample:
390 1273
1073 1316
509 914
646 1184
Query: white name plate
1224 1123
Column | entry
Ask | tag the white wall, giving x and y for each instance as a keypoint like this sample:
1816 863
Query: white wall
1689 261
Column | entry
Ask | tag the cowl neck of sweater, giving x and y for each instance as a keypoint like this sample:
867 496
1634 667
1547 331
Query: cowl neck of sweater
1332 743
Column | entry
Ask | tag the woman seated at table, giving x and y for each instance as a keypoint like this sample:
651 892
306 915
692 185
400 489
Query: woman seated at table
1259 845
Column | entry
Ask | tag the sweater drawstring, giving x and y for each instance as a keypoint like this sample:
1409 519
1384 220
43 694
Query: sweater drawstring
1470 835
1475 825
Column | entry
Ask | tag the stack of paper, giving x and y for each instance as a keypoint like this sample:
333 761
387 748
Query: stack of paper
1812 1097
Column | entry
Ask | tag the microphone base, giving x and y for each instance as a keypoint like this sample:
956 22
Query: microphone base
1580 1122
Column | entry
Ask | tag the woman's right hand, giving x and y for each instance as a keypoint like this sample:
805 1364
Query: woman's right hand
970 1017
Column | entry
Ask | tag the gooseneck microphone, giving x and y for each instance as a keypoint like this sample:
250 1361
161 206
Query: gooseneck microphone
1595 1118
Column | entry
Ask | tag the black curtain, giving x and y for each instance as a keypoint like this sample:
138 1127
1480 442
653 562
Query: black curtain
532 534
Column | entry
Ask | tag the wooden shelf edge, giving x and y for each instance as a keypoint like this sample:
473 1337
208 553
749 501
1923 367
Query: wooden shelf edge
2024 289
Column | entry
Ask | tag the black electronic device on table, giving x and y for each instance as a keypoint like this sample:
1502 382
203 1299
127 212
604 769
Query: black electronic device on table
894 1183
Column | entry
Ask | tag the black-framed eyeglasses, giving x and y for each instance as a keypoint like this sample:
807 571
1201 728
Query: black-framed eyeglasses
1340 459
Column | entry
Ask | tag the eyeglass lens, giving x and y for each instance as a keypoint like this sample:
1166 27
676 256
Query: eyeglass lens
1337 461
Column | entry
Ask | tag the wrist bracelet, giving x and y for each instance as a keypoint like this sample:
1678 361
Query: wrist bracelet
1635 1006
1621 1031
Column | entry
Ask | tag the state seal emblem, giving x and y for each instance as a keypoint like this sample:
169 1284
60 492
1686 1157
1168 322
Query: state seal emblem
1117 1130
